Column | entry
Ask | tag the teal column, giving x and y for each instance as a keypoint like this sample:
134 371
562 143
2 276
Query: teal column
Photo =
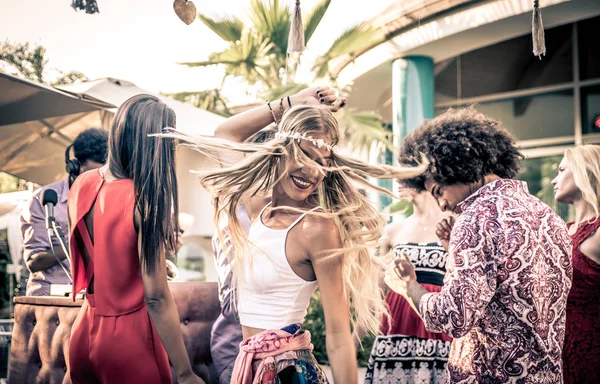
413 103
413 95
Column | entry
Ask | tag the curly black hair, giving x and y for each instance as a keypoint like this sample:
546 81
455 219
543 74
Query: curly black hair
463 146
91 144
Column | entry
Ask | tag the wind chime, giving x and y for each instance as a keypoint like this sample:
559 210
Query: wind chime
89 6
537 31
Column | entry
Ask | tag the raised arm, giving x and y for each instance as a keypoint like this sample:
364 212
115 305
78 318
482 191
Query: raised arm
325 236
165 317
240 127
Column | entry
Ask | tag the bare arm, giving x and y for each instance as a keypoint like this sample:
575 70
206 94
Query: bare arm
339 343
36 246
240 127
44 260
165 317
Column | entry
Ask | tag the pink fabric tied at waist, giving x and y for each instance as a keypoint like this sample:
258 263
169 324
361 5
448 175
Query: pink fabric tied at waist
265 346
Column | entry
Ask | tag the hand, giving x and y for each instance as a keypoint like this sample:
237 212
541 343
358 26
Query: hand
320 94
404 268
172 270
443 231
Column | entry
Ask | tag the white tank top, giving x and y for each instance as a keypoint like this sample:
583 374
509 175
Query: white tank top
272 295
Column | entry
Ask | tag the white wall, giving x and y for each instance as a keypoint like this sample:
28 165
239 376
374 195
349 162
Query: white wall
195 205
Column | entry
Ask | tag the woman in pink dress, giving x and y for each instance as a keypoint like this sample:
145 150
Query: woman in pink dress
578 183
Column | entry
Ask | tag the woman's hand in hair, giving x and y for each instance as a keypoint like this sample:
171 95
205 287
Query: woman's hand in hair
319 95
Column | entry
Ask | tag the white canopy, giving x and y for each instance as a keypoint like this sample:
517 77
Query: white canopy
38 122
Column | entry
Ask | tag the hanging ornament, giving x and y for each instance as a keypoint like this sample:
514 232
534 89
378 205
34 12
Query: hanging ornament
186 10
537 31
89 6
296 38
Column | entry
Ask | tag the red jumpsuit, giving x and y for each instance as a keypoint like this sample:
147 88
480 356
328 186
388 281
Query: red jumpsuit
113 339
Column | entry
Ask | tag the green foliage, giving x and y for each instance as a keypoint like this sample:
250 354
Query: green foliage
30 63
10 183
350 42
258 54
229 28
403 207
210 100
70 78
315 324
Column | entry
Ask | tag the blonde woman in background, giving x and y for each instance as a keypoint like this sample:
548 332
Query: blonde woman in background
315 228
578 184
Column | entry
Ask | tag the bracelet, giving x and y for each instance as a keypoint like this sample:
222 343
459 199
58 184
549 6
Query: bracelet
289 102
272 112
281 107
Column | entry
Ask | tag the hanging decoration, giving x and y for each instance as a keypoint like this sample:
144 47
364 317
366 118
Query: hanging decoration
89 6
537 31
186 10
296 37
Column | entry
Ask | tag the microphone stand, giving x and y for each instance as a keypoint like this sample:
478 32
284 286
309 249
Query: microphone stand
56 230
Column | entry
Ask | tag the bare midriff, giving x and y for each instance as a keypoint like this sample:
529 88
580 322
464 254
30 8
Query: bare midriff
249 331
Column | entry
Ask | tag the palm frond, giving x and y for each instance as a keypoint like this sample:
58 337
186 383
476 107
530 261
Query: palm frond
312 20
272 21
229 28
283 90
350 42
247 57
362 129
353 40
210 100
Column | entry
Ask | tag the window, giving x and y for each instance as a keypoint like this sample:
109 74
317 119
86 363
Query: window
590 111
589 49
534 117
512 64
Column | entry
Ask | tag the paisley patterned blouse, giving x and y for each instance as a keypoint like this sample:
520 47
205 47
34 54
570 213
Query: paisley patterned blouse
505 292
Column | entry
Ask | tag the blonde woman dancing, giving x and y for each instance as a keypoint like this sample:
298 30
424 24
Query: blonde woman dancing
311 227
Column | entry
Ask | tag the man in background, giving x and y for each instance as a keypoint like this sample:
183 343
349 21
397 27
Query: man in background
90 149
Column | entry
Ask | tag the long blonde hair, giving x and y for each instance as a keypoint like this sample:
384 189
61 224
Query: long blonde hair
359 223
584 162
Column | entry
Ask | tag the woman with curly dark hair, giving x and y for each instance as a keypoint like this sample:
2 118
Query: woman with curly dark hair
509 261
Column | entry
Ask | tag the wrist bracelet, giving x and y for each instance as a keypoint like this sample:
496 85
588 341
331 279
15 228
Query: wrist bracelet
272 112
281 107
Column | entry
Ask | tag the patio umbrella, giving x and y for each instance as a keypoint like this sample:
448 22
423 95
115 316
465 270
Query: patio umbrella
115 91
37 122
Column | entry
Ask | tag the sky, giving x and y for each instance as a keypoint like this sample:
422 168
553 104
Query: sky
142 41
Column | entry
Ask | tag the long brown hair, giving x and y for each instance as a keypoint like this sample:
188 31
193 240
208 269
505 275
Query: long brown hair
150 163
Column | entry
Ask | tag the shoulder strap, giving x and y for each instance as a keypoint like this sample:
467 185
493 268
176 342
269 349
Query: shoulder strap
259 217
588 229
302 217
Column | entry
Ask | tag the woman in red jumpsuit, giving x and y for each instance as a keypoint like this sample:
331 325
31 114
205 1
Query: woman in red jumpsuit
121 227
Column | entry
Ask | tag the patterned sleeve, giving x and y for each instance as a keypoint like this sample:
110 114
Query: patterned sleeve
470 281
33 229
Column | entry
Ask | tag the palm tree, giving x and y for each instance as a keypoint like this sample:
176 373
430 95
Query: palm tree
258 53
